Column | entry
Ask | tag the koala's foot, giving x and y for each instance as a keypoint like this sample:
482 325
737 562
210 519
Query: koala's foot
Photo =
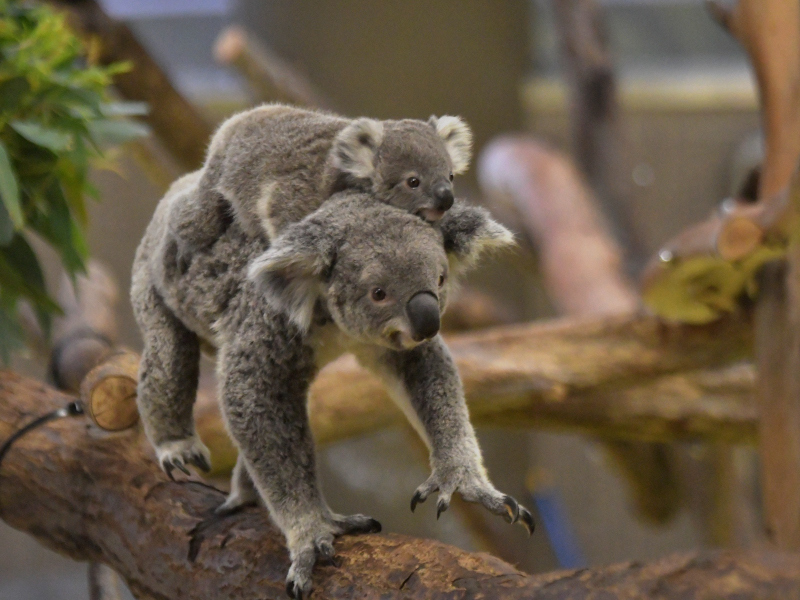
237 500
354 524
316 542
473 488
178 454
243 493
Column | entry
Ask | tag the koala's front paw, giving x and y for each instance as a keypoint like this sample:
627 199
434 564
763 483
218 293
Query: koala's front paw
178 454
473 488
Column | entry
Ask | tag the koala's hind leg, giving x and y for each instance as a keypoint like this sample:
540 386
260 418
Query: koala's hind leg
168 374
243 490
198 214
266 372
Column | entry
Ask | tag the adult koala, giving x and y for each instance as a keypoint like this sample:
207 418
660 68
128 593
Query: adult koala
275 164
355 276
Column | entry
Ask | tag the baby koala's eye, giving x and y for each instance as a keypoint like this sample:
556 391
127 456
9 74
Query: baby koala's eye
378 294
451 177
412 182
441 280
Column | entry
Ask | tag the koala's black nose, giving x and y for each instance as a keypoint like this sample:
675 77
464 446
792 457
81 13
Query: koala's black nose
423 312
444 196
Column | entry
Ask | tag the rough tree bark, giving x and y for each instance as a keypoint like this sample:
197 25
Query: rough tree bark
97 496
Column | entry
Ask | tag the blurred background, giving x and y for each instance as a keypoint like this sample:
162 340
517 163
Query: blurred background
682 134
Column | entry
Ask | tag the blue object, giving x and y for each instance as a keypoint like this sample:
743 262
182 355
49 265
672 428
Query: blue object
558 529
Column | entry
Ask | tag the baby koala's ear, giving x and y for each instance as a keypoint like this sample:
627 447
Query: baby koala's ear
457 138
468 232
355 147
291 272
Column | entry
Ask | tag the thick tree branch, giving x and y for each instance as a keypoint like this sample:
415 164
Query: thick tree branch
624 377
97 496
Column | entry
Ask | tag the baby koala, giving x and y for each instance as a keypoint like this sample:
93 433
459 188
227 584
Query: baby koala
355 276
275 164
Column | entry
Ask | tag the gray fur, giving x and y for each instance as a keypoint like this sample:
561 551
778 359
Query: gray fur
275 164
272 335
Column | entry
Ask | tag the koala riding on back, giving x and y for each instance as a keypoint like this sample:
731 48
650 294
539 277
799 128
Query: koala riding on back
275 164
355 276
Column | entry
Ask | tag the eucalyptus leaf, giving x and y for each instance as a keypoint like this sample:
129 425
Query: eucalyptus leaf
6 226
53 104
22 257
38 134
107 132
124 109
11 92
9 190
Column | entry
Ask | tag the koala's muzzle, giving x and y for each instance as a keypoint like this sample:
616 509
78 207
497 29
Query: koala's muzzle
423 313
443 193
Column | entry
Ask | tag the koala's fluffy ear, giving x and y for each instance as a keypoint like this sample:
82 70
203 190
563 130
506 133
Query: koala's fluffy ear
355 147
468 232
457 138
291 272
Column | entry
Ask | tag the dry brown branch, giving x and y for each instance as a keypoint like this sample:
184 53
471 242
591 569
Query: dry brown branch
101 497
474 309
580 260
581 264
625 377
174 119
710 265
770 32
271 78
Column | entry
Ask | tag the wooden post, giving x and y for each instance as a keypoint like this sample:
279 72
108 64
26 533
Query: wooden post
770 32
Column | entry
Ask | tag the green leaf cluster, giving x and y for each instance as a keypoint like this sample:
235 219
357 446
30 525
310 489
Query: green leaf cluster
56 118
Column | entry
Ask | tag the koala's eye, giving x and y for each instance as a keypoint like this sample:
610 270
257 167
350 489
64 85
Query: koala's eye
451 177
378 294
412 182
441 280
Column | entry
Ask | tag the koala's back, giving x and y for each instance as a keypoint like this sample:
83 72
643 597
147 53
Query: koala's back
202 288
269 162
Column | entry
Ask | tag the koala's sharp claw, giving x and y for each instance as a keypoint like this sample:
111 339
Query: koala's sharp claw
201 462
168 468
441 506
294 591
417 499
178 464
527 520
326 551
512 509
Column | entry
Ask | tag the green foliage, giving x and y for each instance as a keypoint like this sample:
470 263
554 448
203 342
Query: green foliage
55 117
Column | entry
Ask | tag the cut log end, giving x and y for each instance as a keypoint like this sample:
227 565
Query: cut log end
108 392
739 237
230 45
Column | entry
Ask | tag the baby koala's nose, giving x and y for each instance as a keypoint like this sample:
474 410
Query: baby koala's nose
444 196
423 313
